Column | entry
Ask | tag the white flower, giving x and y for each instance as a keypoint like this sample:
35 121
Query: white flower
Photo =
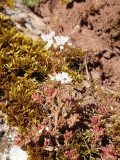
69 44
52 34
49 44
47 129
55 41
47 37
62 77
16 153
61 47
61 40
55 45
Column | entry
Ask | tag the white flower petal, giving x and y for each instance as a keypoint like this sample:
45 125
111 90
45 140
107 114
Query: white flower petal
52 34
61 47
62 77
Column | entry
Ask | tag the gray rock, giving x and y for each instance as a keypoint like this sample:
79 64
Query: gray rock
27 21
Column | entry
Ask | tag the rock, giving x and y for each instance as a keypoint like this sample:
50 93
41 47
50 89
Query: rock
7 136
4 156
27 21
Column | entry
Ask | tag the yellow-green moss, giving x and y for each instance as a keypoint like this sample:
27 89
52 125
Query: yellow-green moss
8 3
22 62
66 1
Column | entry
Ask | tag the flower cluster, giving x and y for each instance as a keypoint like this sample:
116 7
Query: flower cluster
62 77
55 41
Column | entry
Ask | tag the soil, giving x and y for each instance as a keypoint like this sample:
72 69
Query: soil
92 25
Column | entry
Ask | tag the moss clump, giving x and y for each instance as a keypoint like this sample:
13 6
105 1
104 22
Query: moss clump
23 61
8 3
20 55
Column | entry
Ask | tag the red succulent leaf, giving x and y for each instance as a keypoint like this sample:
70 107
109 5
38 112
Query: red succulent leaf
19 140
68 135
37 98
49 92
61 122
100 131
37 132
109 153
102 110
73 119
27 139
96 134
35 139
34 129
72 154
41 128
95 122
47 142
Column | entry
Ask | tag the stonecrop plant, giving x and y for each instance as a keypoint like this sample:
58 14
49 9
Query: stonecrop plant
42 92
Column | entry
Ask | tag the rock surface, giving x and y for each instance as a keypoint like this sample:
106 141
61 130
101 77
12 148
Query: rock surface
27 21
